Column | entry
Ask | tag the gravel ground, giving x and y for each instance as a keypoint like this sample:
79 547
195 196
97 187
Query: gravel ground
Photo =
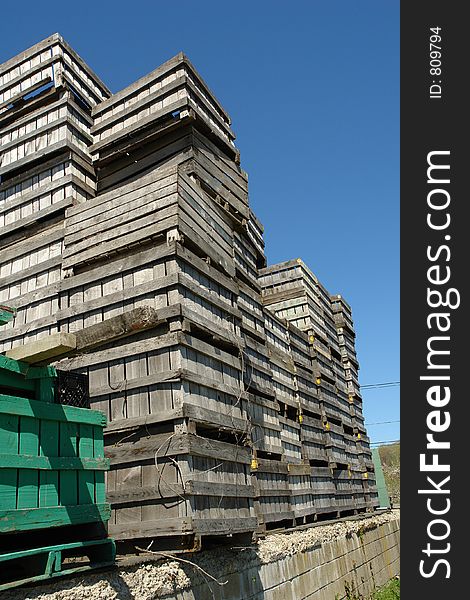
153 580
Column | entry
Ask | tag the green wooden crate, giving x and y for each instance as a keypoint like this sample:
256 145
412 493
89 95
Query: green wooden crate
52 465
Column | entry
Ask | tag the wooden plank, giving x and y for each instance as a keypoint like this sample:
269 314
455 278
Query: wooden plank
122 351
108 246
294 469
68 479
53 40
30 271
179 444
129 323
9 445
170 490
52 516
171 149
104 205
137 106
53 412
35 241
49 461
31 219
50 150
145 529
44 349
28 479
225 526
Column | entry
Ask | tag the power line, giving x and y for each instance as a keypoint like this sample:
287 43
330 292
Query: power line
371 386
385 443
383 423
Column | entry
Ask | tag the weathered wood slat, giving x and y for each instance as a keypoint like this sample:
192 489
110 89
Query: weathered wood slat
174 445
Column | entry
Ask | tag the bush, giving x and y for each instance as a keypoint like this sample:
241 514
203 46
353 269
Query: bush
390 592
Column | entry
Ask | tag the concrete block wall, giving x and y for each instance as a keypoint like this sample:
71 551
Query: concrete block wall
360 563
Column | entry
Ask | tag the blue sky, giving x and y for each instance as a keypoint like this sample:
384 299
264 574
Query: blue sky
313 91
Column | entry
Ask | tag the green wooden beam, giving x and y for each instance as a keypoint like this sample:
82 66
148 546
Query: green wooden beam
22 368
103 552
53 463
13 380
6 314
384 498
52 412
44 549
54 516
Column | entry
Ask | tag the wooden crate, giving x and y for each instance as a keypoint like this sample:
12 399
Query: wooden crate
290 439
257 368
43 191
344 495
273 495
255 232
291 290
250 305
323 367
300 347
165 276
157 214
50 63
335 444
306 390
59 124
312 435
172 91
53 465
263 415
246 259
167 205
323 489
302 497
277 334
168 482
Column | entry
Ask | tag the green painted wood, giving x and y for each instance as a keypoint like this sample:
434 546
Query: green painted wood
24 369
104 554
86 479
68 433
6 314
51 457
28 479
53 463
44 549
63 573
53 516
382 490
53 412
9 445
13 380
100 483
49 479
46 389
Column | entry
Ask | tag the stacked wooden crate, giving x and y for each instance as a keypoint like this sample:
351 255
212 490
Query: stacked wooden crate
293 292
46 97
172 200
229 414
363 464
